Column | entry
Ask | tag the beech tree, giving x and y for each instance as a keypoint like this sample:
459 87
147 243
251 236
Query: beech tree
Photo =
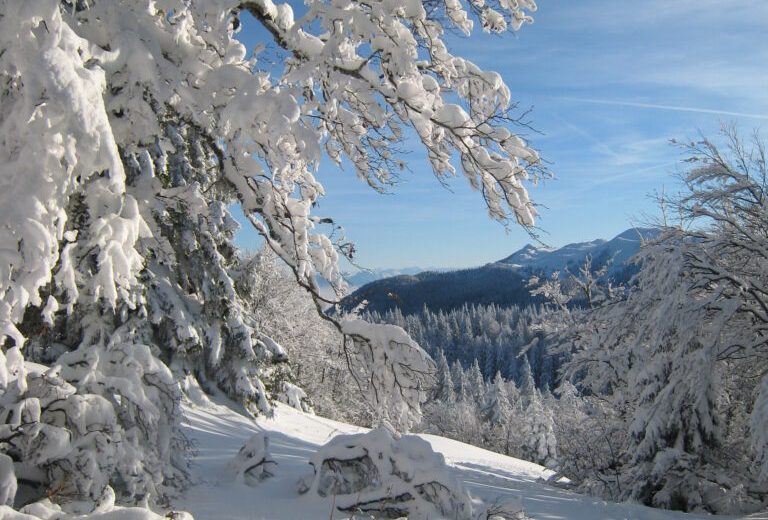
129 128
678 362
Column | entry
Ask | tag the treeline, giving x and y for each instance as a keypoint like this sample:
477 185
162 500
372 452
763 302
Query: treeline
500 415
493 379
497 339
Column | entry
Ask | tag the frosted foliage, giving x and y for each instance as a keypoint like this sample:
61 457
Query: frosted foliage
129 127
390 369
57 139
74 443
680 359
389 476
127 82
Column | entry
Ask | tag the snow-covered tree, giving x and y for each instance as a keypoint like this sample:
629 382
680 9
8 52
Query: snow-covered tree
539 441
527 383
285 312
129 127
679 363
497 409
444 388
476 383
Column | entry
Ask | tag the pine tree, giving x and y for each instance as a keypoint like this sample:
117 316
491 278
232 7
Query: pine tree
539 432
459 379
476 384
497 410
444 386
527 384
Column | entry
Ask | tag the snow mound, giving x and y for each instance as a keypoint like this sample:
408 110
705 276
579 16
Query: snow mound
388 475
252 463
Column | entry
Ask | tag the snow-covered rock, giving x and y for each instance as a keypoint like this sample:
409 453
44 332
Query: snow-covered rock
252 463
388 475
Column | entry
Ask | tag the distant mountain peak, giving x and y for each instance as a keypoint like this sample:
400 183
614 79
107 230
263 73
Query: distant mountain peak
621 248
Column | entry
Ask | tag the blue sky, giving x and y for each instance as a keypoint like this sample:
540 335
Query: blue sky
610 82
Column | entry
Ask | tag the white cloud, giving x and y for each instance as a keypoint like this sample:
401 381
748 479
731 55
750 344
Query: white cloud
655 106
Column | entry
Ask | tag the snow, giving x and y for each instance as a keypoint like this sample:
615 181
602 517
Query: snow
383 472
621 248
7 480
219 432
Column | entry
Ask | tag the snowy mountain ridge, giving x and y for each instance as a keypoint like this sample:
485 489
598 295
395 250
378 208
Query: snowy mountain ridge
621 248
503 282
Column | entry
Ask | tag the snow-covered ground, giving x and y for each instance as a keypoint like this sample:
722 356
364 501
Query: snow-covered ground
219 432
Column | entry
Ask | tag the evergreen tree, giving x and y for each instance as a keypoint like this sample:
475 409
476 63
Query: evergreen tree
459 379
464 393
497 410
527 385
514 396
475 383
444 386
539 432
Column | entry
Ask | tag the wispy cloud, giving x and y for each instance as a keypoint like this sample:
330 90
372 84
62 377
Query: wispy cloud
655 106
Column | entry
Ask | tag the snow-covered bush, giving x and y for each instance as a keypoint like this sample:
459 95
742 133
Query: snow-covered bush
252 462
388 475
75 444
294 397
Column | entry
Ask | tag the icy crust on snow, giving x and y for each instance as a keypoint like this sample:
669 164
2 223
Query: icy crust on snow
383 473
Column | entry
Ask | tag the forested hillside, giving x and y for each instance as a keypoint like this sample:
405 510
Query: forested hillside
501 283
489 284
498 339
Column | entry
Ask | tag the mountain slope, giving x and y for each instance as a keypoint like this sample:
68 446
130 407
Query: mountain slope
218 432
621 248
502 282
362 277
492 283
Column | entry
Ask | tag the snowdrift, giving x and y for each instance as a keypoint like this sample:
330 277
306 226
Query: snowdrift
492 480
